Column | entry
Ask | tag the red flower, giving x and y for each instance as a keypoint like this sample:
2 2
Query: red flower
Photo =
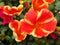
6 18
39 25
34 24
16 28
12 11
40 4
26 4
53 36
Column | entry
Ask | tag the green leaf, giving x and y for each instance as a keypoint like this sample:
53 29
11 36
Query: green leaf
42 40
57 7
27 1
51 6
21 16
29 43
3 29
1 43
9 4
1 3
0 22
58 18
51 42
34 43
58 42
7 37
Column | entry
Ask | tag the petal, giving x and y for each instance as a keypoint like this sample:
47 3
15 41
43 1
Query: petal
25 27
50 26
37 1
39 4
14 25
12 10
45 15
30 17
17 33
20 37
39 33
6 18
44 6
49 1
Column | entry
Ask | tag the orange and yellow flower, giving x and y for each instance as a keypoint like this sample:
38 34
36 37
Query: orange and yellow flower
12 11
5 18
38 25
16 28
40 4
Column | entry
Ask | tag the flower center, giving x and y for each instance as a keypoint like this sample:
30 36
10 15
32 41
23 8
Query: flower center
37 25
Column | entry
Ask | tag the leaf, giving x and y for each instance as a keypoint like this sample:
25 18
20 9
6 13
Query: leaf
51 6
58 42
34 43
9 4
0 22
51 42
58 18
29 43
21 16
7 37
42 40
3 29
27 1
57 7
1 43
1 3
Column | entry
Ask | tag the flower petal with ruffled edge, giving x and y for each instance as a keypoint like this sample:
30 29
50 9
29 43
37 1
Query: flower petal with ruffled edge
15 26
44 29
26 27
6 18
45 15
19 37
30 15
45 23
39 4
12 11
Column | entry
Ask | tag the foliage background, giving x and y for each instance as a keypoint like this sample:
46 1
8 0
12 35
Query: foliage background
6 36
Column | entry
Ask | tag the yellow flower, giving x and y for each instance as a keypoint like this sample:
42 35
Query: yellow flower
21 1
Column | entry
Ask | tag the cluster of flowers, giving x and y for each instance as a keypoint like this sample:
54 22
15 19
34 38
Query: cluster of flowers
38 21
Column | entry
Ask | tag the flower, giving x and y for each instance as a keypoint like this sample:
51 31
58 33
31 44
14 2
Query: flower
15 26
40 4
12 11
35 24
6 13
21 1
53 36
38 25
26 4
6 18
